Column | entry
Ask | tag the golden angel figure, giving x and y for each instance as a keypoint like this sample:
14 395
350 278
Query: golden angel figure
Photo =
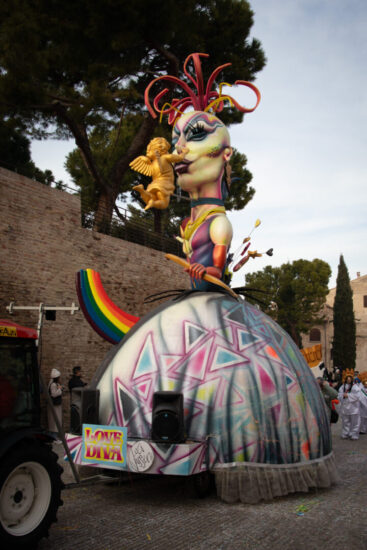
158 164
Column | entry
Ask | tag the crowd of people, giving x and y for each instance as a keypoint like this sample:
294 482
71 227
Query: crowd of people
348 397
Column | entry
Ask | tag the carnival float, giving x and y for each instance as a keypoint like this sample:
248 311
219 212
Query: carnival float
205 382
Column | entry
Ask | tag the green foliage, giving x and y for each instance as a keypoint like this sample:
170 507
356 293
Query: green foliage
79 69
15 154
295 293
344 341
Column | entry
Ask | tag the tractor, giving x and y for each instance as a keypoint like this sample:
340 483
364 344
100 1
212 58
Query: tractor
30 477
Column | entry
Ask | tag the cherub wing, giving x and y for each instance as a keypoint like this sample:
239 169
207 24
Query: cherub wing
143 165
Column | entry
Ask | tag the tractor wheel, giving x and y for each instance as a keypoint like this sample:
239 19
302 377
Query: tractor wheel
30 489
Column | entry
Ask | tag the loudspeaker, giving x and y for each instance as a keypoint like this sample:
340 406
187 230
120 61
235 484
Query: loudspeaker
84 408
168 417
50 315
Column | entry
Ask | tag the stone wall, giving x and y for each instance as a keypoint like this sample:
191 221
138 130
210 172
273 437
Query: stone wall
43 246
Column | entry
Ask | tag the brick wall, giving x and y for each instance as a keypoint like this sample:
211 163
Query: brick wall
42 247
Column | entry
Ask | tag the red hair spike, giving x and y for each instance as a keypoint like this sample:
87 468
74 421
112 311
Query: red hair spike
198 99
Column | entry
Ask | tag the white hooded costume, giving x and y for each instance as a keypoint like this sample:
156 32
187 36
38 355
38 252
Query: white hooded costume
350 410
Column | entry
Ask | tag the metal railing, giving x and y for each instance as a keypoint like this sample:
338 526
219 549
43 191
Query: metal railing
126 226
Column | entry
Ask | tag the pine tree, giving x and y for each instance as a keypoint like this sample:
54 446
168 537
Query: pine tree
344 342
80 69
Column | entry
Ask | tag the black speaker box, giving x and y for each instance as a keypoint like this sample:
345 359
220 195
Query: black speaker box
84 408
168 417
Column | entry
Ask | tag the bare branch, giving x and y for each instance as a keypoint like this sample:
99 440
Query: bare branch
81 139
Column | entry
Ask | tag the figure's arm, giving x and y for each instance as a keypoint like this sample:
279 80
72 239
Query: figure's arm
221 235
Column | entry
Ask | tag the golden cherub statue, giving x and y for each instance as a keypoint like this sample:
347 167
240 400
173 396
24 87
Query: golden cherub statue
158 164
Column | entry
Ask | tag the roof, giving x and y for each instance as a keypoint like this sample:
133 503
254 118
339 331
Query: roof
13 330
360 279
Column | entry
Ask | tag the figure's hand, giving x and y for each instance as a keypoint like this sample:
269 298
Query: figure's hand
196 271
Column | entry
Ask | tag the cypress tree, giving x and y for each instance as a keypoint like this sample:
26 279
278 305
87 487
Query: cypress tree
344 341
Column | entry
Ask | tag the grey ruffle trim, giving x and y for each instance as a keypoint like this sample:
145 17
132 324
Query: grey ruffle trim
251 482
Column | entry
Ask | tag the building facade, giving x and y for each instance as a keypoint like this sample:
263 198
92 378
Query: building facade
323 333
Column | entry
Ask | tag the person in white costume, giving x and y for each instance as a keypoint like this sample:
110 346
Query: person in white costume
55 391
348 396
363 407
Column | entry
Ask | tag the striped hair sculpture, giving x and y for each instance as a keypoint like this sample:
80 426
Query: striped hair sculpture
105 317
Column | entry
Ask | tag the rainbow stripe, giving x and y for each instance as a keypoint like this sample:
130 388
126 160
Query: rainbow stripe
109 321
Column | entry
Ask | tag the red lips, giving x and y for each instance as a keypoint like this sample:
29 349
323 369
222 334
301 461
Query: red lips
182 167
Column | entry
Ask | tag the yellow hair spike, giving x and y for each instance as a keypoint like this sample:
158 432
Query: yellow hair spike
221 86
172 107
218 100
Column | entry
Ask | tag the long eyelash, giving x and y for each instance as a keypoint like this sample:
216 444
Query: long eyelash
199 127
194 130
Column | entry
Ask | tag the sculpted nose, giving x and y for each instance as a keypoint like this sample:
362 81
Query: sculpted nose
179 148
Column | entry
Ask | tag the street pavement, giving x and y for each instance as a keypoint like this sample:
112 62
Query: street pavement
164 513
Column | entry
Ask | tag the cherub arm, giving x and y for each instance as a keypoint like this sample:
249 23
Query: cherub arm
172 157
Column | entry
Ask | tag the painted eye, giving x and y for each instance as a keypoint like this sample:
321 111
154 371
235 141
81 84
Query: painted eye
196 133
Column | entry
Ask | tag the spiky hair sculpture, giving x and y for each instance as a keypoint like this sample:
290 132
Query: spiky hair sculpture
201 98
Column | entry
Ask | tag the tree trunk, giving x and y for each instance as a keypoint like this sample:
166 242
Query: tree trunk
157 221
294 334
103 215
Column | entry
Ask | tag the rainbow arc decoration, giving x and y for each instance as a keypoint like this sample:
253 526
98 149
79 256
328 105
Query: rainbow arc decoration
105 317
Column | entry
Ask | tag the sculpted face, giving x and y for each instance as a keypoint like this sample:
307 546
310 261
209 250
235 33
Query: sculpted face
208 143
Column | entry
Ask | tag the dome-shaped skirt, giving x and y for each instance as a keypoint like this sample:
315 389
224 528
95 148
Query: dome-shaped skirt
247 390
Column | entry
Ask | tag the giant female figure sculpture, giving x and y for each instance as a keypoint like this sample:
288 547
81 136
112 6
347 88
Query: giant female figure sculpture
207 234
253 412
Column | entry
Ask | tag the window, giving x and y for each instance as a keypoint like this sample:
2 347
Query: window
364 301
315 335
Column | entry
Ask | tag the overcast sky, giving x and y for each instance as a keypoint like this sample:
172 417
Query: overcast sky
306 142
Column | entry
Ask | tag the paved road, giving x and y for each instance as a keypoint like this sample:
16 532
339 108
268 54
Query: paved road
163 513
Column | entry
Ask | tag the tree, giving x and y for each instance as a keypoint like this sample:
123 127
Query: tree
344 341
74 69
15 154
298 289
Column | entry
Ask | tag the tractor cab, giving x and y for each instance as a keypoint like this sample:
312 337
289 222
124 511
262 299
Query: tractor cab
30 477
19 379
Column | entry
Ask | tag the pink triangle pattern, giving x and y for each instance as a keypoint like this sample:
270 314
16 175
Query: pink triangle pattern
194 365
144 388
267 385
168 361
